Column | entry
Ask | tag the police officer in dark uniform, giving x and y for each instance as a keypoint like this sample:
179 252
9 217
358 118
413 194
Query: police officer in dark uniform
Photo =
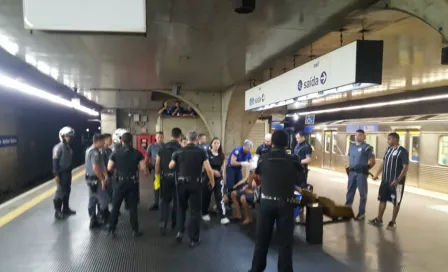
127 161
106 151
96 179
278 175
266 146
62 170
115 147
189 162
167 179
303 151
151 156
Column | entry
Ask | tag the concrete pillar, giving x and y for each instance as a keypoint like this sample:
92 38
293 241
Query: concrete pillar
237 122
108 121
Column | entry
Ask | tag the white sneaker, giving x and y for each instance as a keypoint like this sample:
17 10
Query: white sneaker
225 221
206 218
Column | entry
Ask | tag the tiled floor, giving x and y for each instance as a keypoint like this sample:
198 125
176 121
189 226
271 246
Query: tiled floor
35 242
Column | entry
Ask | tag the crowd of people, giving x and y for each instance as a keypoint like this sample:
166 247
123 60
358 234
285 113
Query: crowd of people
177 110
187 172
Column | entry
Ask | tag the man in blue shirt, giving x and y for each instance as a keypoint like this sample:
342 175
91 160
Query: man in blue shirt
189 112
239 157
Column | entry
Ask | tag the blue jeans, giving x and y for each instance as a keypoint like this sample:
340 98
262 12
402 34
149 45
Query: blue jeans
357 180
233 176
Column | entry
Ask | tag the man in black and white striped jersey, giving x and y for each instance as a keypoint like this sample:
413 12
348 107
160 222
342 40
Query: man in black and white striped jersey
394 168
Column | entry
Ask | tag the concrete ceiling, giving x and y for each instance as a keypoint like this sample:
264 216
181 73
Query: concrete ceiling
411 58
202 45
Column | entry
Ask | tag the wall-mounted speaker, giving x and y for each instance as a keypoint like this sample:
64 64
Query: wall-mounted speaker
243 6
176 89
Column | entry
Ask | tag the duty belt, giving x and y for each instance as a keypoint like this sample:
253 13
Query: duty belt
169 175
360 170
128 178
291 200
188 179
91 178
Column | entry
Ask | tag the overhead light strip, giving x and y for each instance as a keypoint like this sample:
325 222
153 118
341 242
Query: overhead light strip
32 91
377 105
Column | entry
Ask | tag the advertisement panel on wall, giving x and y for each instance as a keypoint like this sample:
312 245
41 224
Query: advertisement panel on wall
85 15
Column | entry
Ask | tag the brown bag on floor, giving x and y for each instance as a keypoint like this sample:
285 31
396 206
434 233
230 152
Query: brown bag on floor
334 211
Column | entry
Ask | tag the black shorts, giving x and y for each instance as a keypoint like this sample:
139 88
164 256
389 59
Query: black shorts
250 197
228 191
390 193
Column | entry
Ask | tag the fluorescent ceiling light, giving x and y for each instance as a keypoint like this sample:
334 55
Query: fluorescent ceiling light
43 67
32 91
31 60
11 47
54 73
378 105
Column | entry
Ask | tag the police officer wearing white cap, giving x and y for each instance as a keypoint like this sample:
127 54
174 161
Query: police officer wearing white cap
62 170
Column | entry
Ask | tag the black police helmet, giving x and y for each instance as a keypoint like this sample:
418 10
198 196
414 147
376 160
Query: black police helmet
280 139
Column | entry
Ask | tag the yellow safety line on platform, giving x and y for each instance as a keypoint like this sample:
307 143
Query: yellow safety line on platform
33 202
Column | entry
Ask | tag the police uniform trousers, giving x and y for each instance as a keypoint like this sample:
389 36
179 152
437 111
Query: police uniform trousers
156 191
110 186
97 196
269 212
125 189
218 191
189 194
114 185
168 193
64 187
357 180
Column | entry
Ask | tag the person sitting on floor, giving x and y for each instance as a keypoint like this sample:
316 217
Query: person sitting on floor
244 194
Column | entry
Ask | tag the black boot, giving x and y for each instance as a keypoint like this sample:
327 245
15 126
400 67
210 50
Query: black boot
137 233
194 243
93 218
154 207
66 210
126 206
58 215
162 229
111 233
105 217
179 237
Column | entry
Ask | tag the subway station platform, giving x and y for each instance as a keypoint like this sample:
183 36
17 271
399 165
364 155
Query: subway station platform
31 240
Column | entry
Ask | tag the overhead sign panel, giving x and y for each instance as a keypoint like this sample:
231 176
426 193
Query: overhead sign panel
354 66
309 119
85 15
6 141
352 128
